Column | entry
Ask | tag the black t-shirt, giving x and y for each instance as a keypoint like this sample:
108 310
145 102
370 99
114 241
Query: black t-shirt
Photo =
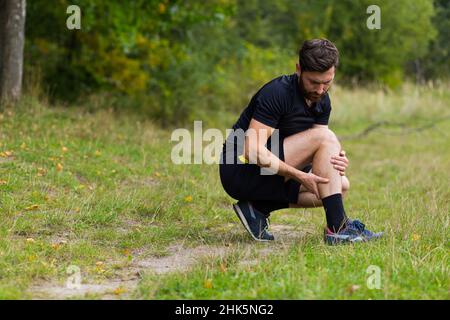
281 105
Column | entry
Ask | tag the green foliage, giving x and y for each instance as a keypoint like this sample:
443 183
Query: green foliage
436 62
179 60
366 55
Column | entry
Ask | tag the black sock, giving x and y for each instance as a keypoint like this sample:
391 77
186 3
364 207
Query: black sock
334 210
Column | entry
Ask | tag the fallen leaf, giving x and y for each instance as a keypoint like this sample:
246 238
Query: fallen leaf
353 288
188 199
41 172
157 174
6 154
99 267
30 240
223 268
59 167
23 145
416 237
119 291
32 207
2 182
98 153
208 284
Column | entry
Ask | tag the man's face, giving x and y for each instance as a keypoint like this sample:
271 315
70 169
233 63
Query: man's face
314 84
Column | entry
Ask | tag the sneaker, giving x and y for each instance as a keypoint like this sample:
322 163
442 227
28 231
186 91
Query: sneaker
254 221
354 231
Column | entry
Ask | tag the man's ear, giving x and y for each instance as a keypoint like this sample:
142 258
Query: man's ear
298 69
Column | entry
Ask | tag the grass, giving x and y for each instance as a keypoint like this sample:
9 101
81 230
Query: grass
94 189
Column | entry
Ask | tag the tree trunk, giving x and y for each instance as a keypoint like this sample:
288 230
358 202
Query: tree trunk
12 39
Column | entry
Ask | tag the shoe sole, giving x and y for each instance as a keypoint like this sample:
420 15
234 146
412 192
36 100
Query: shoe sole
245 224
333 241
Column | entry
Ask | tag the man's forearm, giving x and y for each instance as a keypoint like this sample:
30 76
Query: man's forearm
266 159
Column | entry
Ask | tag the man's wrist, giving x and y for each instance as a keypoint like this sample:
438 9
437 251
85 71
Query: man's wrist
301 174
296 174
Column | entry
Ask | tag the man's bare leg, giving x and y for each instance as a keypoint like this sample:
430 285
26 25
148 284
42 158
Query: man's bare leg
309 200
320 145
317 146
322 166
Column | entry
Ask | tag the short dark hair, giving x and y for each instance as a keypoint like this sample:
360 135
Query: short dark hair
318 55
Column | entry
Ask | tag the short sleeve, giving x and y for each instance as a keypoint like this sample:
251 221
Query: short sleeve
324 111
271 103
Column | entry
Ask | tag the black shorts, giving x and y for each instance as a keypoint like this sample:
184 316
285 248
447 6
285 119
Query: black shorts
245 182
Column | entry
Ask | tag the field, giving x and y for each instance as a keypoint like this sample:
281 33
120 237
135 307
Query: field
93 196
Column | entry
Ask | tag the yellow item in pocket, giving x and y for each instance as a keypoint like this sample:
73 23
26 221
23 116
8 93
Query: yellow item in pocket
242 159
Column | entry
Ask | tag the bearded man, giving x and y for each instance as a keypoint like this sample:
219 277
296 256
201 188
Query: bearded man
281 153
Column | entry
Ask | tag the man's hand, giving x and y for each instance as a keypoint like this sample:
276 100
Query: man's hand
310 182
340 163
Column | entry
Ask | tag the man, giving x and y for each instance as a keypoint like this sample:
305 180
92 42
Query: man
290 115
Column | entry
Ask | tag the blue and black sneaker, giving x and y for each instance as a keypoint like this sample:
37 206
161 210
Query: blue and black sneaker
254 221
354 231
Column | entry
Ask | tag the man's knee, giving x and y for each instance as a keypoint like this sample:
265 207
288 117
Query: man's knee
326 136
330 138
345 185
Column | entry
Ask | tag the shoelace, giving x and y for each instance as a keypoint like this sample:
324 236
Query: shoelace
358 225
268 224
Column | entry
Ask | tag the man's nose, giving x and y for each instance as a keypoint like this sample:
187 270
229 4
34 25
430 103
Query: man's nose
320 89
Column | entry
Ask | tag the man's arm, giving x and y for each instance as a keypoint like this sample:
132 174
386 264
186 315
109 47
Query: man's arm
256 152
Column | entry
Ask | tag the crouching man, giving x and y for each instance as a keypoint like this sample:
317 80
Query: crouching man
282 154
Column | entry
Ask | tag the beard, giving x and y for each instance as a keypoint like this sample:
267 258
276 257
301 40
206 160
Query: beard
310 95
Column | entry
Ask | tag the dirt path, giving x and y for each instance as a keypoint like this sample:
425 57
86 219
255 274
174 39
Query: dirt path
179 258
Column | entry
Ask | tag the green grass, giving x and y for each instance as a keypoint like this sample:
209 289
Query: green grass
81 188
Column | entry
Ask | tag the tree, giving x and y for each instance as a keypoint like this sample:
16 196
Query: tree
12 38
436 64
